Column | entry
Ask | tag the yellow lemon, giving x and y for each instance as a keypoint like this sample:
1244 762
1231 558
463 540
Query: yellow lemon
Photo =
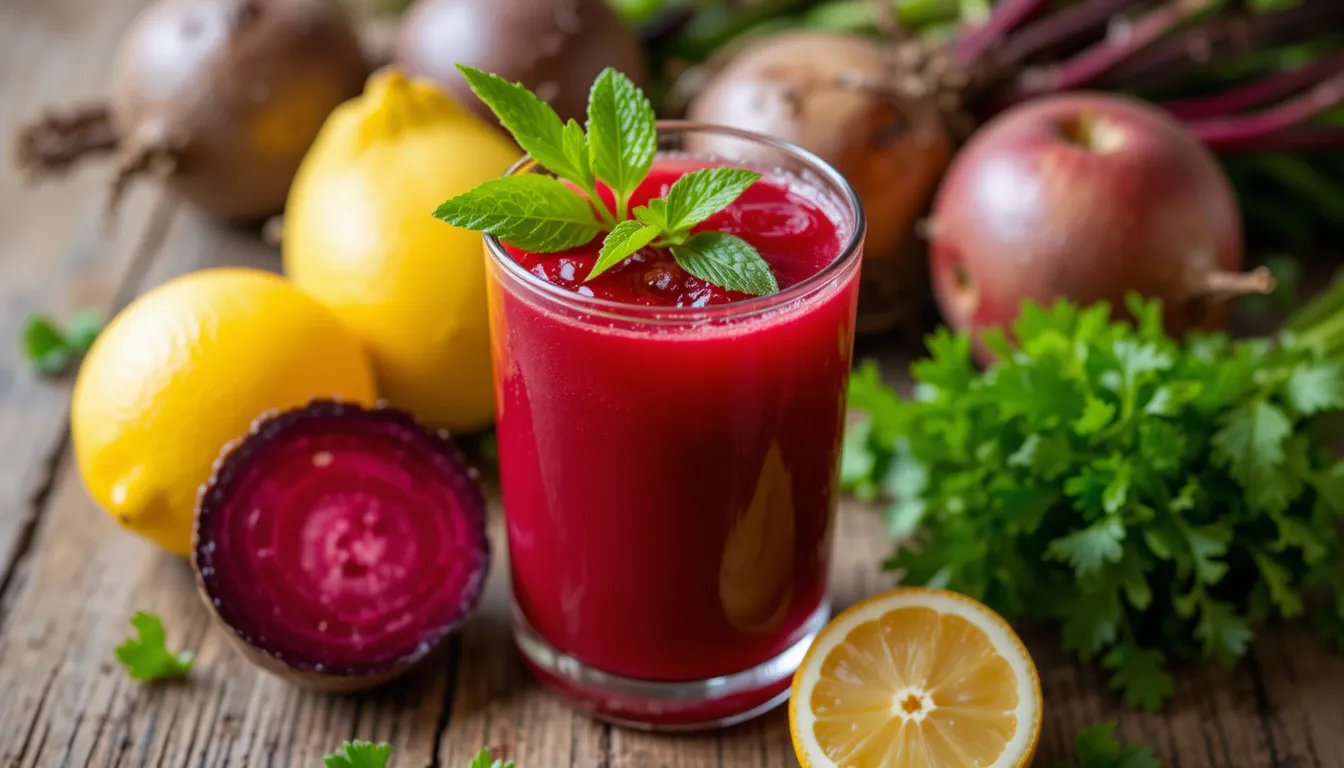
183 371
360 236
916 677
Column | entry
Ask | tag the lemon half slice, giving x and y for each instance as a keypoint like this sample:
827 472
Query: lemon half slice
916 677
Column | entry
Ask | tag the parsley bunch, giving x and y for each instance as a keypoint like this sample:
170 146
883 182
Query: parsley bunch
1153 500
546 214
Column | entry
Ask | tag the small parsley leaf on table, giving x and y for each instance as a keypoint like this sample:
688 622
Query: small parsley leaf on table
51 350
548 214
483 759
359 754
1154 500
146 657
1097 747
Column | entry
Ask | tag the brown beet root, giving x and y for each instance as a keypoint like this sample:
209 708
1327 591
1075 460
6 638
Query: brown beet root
340 545
219 98
554 47
835 95
1086 197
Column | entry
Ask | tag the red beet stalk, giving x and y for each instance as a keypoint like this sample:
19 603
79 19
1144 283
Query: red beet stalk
1095 61
1258 93
1300 139
1006 16
1072 25
1246 132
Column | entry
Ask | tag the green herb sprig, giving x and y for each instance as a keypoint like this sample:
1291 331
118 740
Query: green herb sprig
146 656
50 350
359 754
545 214
1097 747
1154 500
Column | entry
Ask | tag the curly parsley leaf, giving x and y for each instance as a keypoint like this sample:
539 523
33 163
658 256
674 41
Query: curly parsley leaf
146 657
359 754
1097 747
483 759
1153 499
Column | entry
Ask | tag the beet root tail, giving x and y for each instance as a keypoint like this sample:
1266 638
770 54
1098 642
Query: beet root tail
1227 285
57 141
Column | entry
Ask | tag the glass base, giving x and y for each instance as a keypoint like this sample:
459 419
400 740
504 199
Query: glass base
683 705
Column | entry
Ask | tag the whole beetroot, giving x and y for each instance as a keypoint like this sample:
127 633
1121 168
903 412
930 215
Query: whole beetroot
218 98
554 47
1087 197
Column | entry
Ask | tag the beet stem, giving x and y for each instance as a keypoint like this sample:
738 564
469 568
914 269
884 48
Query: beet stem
1224 37
1228 284
1006 16
1255 94
57 141
1300 139
1093 62
1243 130
1072 25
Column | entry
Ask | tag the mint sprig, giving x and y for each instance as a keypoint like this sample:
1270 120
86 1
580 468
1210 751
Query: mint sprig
546 215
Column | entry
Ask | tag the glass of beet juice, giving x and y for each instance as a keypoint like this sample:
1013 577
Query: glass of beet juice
669 450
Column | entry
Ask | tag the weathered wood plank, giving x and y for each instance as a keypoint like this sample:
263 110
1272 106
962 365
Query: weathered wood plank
54 256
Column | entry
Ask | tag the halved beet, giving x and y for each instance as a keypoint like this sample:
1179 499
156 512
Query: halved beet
340 545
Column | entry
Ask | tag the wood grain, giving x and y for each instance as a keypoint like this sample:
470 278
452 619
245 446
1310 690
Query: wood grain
69 578
54 256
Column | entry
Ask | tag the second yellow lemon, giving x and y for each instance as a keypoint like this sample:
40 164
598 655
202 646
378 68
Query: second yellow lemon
359 236
183 371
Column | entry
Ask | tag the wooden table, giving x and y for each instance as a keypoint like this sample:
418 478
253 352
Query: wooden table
69 578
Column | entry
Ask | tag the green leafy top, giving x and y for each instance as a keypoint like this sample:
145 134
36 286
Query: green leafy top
547 214
146 657
1153 499
50 350
1098 748
483 760
359 754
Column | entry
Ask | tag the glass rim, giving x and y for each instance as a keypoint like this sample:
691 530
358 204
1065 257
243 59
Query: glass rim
620 310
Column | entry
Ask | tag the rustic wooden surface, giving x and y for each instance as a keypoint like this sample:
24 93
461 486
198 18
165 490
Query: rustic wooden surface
69 578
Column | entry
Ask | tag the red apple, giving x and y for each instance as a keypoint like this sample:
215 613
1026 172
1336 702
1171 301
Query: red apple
1086 197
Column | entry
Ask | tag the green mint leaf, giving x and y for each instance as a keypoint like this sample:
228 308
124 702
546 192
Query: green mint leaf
146 657
621 243
83 329
726 261
45 347
359 754
1251 445
1315 388
654 214
534 125
1088 549
484 760
575 143
622 134
533 212
703 193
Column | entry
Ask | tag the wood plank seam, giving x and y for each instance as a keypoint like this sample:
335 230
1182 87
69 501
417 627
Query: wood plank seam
145 250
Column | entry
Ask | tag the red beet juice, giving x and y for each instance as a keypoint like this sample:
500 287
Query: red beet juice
669 454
